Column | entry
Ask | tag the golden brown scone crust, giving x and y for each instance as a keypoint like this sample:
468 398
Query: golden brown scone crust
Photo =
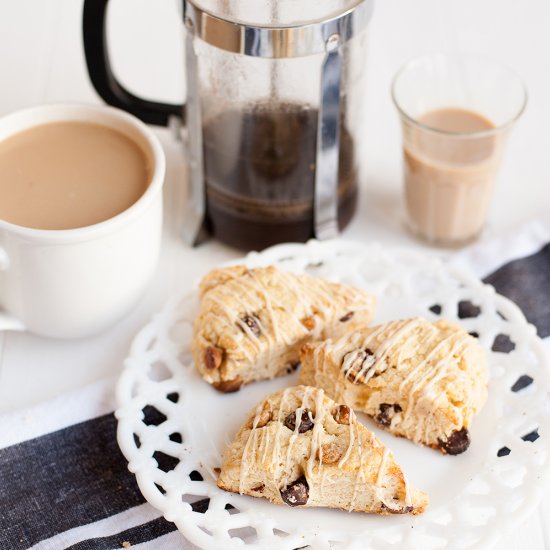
420 380
252 322
325 458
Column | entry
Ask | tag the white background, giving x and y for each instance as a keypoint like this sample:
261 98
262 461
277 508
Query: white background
41 61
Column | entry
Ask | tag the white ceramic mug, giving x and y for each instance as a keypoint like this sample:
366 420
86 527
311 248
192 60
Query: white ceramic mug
72 283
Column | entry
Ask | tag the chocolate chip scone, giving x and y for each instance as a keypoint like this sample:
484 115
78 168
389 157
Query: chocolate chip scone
252 322
420 380
300 448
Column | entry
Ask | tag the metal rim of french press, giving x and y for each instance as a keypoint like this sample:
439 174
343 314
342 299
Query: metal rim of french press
277 41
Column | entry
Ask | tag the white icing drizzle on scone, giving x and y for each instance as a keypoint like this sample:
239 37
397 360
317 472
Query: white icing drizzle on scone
317 431
439 362
254 317
300 447
315 458
371 365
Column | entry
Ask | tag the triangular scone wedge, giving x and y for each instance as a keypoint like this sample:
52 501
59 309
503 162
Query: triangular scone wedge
420 380
252 322
326 458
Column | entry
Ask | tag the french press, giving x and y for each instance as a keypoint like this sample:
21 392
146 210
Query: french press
275 90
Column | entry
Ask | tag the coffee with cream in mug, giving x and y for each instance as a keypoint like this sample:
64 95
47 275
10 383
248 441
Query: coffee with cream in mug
80 217
70 174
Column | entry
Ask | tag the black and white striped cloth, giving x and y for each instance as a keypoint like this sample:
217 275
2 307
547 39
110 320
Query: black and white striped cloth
64 482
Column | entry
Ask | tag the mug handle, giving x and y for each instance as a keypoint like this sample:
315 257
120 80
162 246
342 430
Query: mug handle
103 79
7 321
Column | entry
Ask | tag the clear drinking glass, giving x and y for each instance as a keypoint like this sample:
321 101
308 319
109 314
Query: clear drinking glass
456 113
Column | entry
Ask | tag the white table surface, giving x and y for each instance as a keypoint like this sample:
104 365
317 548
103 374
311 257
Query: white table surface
41 61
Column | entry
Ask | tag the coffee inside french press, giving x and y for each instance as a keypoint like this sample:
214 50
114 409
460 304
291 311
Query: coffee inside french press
260 174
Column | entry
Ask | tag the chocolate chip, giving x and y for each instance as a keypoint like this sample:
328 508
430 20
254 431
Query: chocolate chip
405 510
305 423
292 366
386 413
217 471
456 443
259 488
213 357
342 414
228 386
346 317
252 323
297 493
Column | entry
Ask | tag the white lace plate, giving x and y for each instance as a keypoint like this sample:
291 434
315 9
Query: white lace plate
171 423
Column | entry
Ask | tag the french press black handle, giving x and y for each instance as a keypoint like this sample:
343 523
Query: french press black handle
102 77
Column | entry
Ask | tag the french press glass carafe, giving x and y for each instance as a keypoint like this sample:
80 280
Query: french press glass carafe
275 91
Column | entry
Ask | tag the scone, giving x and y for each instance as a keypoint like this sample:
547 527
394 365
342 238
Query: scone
420 380
252 322
300 448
